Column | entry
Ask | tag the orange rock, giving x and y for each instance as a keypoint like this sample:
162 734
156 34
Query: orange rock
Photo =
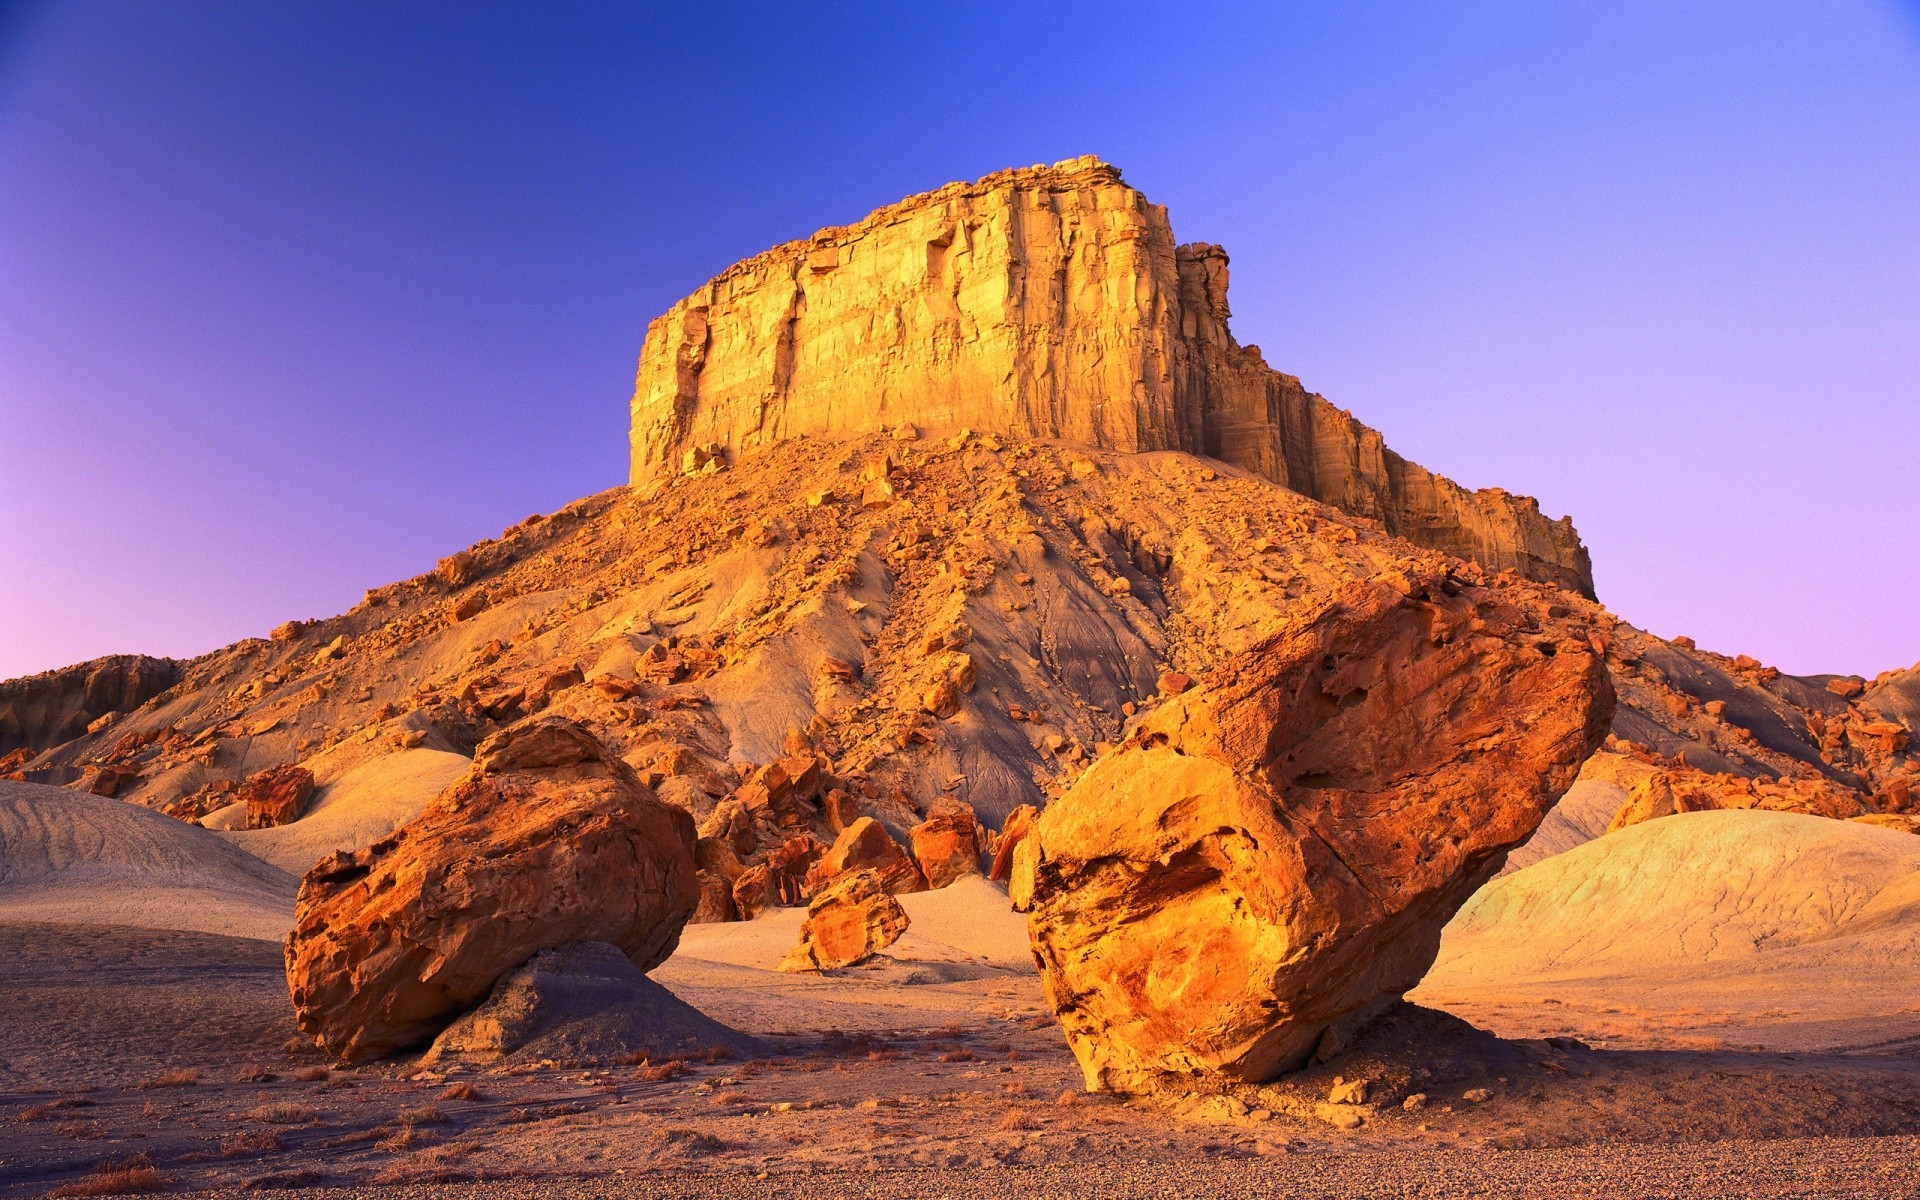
1272 855
548 839
947 843
846 924
865 845
1846 686
1172 683
1017 826
276 796
840 810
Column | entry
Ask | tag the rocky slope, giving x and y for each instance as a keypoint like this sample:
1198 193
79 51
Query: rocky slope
1044 302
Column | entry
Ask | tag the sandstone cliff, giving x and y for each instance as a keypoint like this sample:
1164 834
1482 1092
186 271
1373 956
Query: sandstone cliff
1043 302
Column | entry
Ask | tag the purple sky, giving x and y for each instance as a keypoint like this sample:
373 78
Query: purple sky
296 299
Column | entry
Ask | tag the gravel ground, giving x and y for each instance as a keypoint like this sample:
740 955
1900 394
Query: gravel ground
1858 1168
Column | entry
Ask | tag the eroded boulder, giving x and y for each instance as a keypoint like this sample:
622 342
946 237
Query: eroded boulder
549 839
1269 859
947 843
851 921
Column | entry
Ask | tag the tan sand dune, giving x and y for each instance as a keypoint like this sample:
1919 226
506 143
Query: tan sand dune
1747 927
362 805
67 857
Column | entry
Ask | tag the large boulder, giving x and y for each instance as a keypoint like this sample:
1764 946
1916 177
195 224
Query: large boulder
549 839
947 843
866 845
1269 859
850 922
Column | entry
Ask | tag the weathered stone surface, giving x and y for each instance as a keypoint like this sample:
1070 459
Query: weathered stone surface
782 878
1273 854
866 845
584 1003
275 796
548 839
1040 302
848 923
947 843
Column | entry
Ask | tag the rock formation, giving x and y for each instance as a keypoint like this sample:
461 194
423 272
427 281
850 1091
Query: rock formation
947 843
40 711
849 922
1044 302
275 796
866 845
1272 855
548 840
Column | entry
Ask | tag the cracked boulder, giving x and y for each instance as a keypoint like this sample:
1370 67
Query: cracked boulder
549 839
1268 861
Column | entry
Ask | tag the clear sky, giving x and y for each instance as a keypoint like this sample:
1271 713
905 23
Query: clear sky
295 299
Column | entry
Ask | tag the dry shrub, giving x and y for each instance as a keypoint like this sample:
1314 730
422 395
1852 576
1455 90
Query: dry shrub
462 1090
313 1074
1068 1099
724 1099
116 1179
178 1077
283 1114
1014 1120
401 1138
884 1054
41 1112
712 1054
81 1130
952 1056
691 1141
426 1114
661 1071
249 1141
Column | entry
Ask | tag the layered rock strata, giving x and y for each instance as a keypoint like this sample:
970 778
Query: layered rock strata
1044 302
548 840
1272 855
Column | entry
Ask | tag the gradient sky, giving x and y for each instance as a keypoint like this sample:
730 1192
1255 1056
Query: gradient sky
295 299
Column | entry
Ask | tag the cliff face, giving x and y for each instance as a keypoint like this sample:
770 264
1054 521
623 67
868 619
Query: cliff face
44 710
1044 302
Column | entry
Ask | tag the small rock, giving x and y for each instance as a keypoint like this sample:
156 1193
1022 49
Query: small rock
1476 1095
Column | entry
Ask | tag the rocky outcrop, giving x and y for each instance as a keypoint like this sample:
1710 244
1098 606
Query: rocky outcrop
1270 857
40 711
1048 302
851 921
947 843
275 796
866 845
548 840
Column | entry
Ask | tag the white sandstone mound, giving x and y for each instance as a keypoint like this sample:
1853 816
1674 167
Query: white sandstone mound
1582 815
1759 928
357 808
71 858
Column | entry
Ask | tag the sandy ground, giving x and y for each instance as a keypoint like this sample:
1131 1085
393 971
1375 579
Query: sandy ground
934 1071
937 1070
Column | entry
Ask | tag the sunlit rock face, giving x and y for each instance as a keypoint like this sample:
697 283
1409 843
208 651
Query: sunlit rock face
1269 859
1042 302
